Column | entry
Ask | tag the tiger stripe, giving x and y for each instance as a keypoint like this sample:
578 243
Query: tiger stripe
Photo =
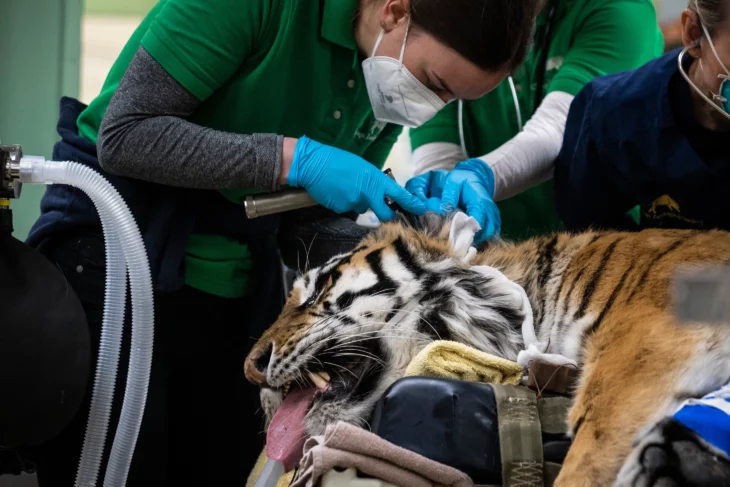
407 259
674 246
603 299
596 279
545 259
594 327
577 264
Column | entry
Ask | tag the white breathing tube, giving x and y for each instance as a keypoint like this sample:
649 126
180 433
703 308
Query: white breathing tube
460 115
462 140
517 103
680 62
125 252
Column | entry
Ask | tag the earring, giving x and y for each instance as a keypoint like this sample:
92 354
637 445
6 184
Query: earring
382 24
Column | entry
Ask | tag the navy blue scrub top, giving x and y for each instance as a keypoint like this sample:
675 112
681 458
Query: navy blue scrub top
632 139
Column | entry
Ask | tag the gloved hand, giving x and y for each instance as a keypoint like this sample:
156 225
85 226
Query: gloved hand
344 182
469 186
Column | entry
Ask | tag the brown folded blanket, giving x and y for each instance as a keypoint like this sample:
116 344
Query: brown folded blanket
347 446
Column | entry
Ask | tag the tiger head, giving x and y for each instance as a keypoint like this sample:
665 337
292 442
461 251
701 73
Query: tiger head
351 327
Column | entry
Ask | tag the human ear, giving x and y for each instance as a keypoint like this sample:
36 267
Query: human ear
393 13
691 32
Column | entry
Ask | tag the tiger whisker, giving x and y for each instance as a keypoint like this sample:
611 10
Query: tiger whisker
417 314
374 332
409 333
358 340
309 250
401 336
300 380
312 357
365 352
359 355
343 368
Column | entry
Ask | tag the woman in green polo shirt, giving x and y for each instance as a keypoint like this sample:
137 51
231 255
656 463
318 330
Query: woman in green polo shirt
514 133
212 100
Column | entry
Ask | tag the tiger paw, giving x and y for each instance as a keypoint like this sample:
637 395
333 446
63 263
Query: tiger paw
671 454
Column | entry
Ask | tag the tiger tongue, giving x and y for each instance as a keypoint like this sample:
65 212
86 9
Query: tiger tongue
286 435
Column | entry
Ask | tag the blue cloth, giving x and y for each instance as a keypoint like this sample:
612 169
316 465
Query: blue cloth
710 422
166 216
626 144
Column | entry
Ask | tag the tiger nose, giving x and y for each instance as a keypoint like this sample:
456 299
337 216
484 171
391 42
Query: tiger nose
256 364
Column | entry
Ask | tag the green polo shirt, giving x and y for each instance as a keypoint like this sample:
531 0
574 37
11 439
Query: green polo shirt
590 38
258 66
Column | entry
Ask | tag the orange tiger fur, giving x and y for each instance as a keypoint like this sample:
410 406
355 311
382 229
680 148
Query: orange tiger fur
614 292
638 363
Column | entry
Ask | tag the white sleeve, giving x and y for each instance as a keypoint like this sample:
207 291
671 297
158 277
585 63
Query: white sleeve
528 158
436 155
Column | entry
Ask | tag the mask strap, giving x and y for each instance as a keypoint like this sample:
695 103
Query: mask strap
403 47
714 51
377 43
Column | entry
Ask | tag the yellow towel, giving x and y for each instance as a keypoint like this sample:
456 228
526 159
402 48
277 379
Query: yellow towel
451 360
285 481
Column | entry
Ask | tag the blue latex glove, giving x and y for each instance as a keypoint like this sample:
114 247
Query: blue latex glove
469 186
344 182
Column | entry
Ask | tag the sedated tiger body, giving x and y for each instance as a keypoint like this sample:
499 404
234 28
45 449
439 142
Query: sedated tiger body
602 299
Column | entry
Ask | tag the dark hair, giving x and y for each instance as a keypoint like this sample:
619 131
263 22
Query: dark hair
711 12
493 34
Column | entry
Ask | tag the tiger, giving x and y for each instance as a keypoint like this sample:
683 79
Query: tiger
601 298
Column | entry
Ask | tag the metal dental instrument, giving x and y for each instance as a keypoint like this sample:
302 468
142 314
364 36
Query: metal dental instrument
282 201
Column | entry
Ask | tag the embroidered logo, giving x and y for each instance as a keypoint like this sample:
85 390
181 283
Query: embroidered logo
370 129
554 63
665 211
666 203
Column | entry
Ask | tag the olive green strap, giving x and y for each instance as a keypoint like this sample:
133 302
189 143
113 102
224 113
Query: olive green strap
520 436
554 414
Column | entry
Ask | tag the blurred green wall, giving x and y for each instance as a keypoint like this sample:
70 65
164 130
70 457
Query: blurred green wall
39 51
118 7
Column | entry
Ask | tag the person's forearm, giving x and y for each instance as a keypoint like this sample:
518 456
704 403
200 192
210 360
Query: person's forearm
528 158
145 135
436 155
287 156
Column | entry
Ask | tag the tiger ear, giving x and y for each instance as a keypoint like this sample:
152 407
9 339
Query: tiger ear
431 224
408 220
462 231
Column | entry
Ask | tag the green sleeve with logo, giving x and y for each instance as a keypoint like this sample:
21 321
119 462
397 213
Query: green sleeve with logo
590 38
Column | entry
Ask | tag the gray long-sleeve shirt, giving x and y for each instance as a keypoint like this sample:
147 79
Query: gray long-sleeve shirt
145 135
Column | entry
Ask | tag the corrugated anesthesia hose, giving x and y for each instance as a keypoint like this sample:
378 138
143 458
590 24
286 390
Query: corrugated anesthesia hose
125 251
115 296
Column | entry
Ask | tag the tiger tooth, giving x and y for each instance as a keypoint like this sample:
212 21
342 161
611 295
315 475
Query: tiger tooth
325 376
319 381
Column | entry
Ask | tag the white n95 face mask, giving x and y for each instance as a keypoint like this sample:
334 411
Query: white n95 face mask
395 94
